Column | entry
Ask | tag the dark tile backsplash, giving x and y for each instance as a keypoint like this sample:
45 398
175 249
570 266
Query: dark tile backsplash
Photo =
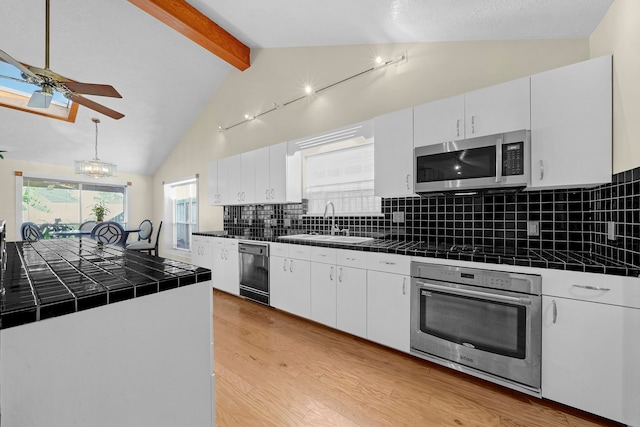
574 220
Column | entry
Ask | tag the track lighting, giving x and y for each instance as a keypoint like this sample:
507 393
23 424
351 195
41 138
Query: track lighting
379 62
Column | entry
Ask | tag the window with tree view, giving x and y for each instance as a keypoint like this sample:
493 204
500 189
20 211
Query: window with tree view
185 212
56 205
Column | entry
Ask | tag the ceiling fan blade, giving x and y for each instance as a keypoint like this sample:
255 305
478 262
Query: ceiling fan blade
92 89
4 56
96 107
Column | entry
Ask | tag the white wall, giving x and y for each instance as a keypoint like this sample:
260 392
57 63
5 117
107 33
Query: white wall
619 34
433 71
140 192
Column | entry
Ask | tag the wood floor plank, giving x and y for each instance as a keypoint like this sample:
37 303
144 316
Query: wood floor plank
275 369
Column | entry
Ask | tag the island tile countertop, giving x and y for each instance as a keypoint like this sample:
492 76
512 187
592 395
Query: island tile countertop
54 277
559 260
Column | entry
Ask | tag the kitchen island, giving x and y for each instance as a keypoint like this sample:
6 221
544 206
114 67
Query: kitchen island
96 335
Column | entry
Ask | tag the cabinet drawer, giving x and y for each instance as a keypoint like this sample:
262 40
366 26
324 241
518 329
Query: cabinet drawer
300 252
324 255
389 263
231 244
601 288
347 258
279 249
217 242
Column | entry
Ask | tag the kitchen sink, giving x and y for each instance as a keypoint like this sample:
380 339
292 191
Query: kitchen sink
327 238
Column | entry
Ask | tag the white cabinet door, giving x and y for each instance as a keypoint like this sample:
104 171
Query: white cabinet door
571 125
278 173
223 182
590 354
262 168
351 301
323 293
290 287
496 109
438 121
202 252
212 183
388 309
234 180
225 274
393 161
248 179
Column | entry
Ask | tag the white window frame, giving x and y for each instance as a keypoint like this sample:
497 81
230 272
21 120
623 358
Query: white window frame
169 239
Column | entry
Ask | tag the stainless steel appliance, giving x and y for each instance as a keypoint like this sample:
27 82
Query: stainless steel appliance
488 162
482 322
254 271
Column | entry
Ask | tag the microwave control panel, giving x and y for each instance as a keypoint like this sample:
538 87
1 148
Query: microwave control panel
513 158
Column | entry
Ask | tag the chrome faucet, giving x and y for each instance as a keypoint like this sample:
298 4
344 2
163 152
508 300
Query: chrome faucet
333 217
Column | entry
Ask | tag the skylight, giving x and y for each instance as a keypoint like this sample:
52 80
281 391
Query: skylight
15 94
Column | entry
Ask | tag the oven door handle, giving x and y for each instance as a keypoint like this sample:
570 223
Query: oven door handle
466 292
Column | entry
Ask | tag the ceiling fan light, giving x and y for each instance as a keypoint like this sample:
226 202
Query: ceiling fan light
41 98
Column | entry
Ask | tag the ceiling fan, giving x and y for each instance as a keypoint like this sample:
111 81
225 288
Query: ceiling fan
50 81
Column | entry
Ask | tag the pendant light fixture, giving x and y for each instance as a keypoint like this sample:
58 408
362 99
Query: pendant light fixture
95 167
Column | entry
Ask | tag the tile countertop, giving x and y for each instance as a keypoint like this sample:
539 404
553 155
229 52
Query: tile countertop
559 260
55 277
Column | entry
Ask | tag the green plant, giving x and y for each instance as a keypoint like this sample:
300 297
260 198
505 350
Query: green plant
99 210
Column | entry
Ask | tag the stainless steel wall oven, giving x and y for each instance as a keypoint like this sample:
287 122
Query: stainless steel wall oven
254 271
482 322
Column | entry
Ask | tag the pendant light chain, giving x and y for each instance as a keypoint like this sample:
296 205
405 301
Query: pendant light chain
96 121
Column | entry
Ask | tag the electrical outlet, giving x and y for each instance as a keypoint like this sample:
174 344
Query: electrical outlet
287 222
533 228
397 217
611 230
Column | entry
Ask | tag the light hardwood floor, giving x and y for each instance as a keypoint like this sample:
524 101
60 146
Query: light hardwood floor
275 369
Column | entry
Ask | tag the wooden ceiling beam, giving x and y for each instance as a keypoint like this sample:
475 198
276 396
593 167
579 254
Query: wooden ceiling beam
190 22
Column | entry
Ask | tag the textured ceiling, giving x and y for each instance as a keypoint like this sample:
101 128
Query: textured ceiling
165 79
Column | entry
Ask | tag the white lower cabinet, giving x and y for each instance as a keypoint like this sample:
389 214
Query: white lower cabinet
289 281
388 303
590 347
225 273
202 251
324 278
351 301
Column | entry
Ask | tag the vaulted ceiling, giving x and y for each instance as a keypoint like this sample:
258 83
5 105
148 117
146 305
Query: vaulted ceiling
166 78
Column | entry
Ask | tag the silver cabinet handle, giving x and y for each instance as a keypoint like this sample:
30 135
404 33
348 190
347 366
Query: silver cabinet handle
404 286
243 196
458 127
555 311
266 194
340 275
408 181
284 265
239 198
291 266
273 194
331 274
541 170
387 263
591 288
473 124
222 254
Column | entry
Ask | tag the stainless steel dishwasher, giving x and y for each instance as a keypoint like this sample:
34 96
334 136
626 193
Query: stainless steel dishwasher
254 271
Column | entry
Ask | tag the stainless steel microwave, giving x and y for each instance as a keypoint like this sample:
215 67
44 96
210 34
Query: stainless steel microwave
487 162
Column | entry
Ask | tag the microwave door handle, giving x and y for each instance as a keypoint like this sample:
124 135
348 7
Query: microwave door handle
469 293
499 164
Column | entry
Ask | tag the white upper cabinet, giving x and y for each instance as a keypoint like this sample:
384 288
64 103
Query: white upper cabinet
571 125
439 121
393 161
242 178
496 109
218 182
278 174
